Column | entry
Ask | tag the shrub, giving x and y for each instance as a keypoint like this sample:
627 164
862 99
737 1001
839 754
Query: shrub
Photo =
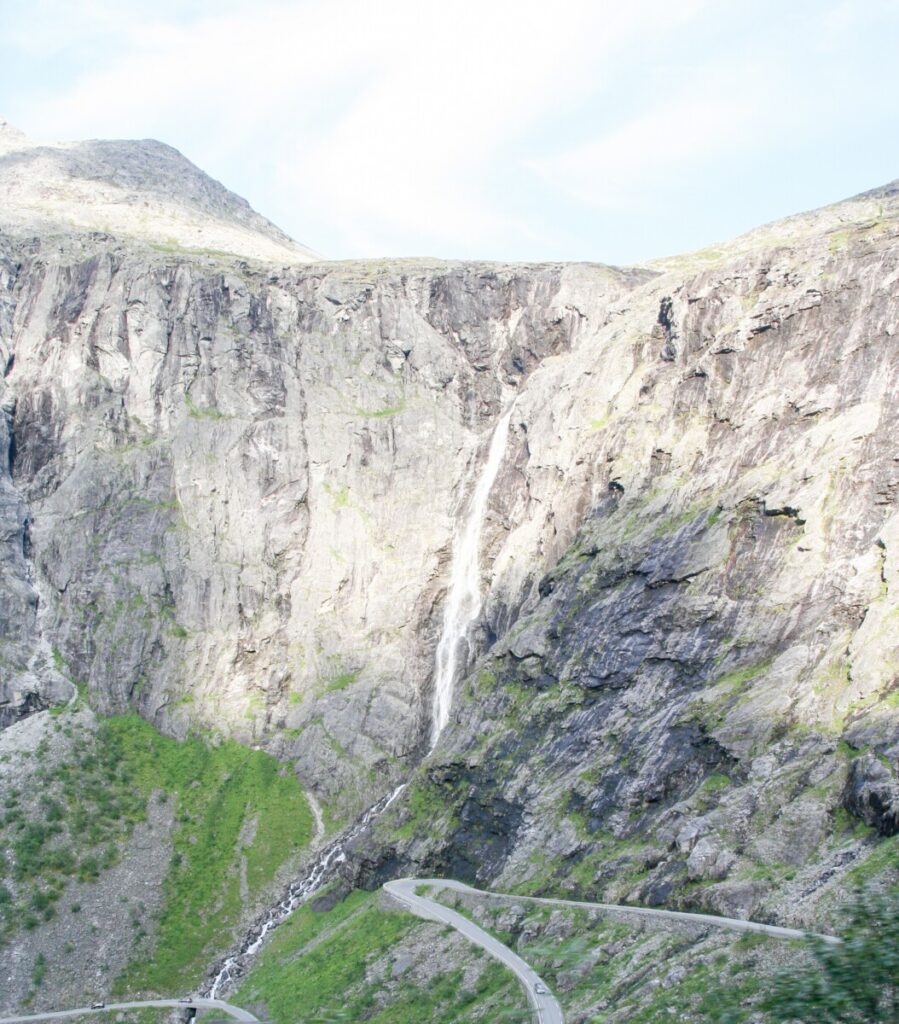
39 970
856 981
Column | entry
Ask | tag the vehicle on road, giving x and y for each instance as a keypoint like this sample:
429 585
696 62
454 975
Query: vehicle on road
185 999
97 1006
540 988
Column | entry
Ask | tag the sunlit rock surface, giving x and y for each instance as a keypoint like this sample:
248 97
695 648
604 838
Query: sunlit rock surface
231 486
691 693
143 190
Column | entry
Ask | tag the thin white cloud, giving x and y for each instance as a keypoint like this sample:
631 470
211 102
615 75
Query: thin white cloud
420 96
722 112
475 127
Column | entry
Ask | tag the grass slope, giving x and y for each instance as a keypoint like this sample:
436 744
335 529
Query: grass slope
359 961
239 816
237 812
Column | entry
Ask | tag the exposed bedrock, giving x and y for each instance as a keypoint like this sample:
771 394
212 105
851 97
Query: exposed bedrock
685 705
239 487
230 492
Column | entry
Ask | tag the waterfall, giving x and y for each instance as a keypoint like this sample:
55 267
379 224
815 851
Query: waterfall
235 964
463 604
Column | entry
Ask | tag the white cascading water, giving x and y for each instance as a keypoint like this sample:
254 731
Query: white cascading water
462 609
235 965
463 604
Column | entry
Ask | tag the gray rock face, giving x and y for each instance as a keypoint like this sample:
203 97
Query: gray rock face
142 190
241 485
711 476
872 794
28 678
230 495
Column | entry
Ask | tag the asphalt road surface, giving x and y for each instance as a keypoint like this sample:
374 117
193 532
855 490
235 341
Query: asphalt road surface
734 924
546 1007
200 1004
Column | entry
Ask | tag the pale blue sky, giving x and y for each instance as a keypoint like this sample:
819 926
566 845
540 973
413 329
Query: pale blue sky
579 130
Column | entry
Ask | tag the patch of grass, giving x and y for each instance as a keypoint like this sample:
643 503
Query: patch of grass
340 682
882 861
844 822
600 423
217 791
383 413
326 962
739 677
840 240
197 412
721 694
39 970
715 783
331 968
427 805
340 496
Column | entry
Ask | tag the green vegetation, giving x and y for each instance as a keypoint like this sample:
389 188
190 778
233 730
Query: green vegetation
623 966
713 990
39 970
380 414
715 782
428 804
340 681
734 681
59 662
217 792
840 240
340 496
197 412
339 965
853 982
882 861
72 830
845 823
236 813
601 422
712 704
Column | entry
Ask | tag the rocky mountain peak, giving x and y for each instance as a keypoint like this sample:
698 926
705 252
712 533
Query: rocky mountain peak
133 189
246 503
11 138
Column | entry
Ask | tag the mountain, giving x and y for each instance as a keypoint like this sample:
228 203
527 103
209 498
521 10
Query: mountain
235 490
137 190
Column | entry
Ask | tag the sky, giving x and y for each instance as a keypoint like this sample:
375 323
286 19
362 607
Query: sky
572 130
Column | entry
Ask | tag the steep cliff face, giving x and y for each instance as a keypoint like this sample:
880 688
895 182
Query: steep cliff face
698 702
239 486
230 494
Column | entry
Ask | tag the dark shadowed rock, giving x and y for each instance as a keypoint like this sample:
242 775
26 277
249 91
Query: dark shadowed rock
872 794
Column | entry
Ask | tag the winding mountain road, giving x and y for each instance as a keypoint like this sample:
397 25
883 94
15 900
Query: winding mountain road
546 1007
544 1004
734 924
205 1004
